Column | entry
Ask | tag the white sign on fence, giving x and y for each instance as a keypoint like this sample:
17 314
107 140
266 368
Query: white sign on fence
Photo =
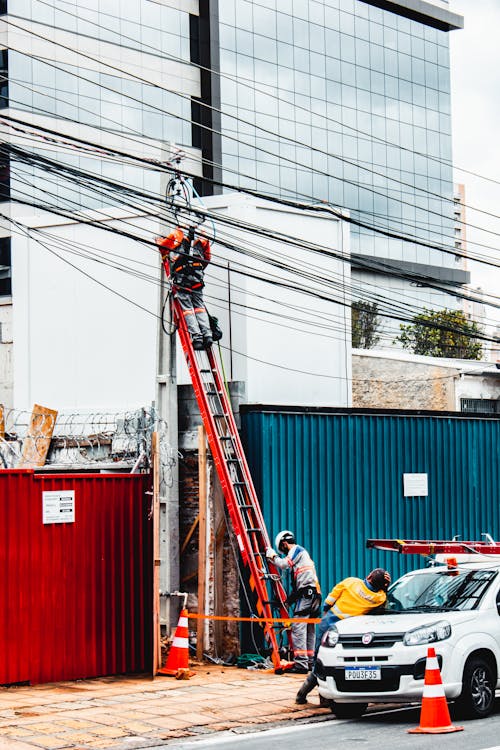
58 506
415 485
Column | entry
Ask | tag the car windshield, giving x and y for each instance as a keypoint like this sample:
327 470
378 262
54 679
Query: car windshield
439 590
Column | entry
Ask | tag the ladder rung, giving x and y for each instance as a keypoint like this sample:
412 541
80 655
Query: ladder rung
212 393
205 371
254 531
225 437
245 507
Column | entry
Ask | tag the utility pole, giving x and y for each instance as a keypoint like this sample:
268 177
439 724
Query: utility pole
166 409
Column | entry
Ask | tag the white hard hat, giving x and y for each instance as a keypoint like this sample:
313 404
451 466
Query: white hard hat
284 536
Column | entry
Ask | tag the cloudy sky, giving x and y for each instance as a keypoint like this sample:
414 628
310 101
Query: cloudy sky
475 71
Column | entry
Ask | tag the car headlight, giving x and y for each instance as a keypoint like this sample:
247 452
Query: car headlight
331 638
438 631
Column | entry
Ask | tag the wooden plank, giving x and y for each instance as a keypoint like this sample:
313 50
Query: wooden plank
2 421
155 450
189 534
202 539
36 444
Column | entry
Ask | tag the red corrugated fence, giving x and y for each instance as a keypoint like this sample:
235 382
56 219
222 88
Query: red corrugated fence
75 597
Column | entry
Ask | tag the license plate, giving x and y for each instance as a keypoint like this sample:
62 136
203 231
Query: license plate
362 673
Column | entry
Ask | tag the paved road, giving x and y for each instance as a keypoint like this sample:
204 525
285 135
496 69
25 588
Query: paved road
386 729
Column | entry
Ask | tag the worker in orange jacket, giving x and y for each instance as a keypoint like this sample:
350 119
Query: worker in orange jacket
188 256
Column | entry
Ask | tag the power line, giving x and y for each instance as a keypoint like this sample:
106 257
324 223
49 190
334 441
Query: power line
226 134
241 80
273 235
29 232
374 227
292 286
315 207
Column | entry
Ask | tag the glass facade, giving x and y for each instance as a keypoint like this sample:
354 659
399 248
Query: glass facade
106 101
325 100
339 101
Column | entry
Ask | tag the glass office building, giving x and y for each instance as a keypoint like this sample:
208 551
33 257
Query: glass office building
76 71
339 101
348 102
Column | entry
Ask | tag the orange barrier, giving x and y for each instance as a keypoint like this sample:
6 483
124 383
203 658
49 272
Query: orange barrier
287 620
177 664
434 716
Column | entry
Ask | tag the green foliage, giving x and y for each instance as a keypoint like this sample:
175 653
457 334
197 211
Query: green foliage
365 324
442 333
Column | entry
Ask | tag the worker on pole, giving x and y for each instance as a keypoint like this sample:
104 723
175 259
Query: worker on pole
305 596
348 598
188 256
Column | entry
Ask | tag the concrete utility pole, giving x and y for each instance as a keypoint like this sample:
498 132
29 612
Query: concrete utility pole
166 408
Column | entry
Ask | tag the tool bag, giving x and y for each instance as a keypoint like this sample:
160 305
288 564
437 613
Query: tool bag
215 328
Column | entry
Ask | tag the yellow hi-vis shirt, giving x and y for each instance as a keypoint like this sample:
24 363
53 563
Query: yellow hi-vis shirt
352 597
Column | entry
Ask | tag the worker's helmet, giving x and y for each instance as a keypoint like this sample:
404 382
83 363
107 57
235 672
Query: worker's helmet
380 579
284 536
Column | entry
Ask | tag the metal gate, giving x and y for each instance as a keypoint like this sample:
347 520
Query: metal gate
75 576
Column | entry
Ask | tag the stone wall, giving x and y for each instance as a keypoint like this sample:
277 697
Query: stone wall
379 383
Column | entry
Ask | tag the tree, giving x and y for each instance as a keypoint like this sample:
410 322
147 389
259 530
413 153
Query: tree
442 333
364 324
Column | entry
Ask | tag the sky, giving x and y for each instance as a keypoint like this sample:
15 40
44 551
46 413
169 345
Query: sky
475 86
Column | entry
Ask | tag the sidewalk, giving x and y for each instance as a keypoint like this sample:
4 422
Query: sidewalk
138 712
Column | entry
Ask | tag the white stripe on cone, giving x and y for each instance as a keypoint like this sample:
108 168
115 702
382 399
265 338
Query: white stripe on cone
433 691
183 622
180 642
432 663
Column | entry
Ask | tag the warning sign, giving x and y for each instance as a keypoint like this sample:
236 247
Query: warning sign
58 506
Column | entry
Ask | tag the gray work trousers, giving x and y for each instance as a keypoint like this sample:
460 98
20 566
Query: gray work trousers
303 635
311 680
195 313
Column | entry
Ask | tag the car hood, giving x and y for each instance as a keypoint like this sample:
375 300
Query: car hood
400 623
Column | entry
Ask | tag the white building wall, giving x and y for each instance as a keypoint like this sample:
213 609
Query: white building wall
6 371
288 346
84 333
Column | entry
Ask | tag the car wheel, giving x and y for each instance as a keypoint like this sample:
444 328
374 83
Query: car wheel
348 710
478 690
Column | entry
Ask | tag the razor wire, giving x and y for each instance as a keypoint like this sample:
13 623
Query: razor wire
119 440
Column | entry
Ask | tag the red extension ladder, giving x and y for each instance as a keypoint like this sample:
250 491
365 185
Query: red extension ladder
234 475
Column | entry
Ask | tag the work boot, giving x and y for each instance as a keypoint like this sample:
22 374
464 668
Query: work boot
309 684
198 343
207 342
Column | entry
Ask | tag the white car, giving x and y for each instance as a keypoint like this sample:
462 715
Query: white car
381 658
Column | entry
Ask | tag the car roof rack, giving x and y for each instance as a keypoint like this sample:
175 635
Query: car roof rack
436 547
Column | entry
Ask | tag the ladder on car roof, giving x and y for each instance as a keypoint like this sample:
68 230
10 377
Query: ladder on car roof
436 547
234 475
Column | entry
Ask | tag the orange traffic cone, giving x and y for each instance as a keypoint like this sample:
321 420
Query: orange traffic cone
178 657
434 716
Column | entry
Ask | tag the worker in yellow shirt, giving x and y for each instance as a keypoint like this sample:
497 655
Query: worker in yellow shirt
350 597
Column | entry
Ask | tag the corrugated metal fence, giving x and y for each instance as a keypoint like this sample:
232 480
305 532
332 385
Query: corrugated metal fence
336 479
75 598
